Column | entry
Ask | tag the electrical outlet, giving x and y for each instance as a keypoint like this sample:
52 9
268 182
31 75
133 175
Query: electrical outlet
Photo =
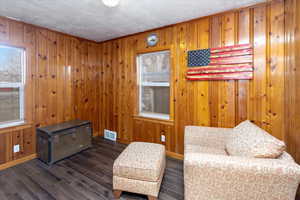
16 148
110 135
163 138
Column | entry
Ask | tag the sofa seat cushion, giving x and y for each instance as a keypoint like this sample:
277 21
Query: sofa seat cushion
249 140
202 149
140 161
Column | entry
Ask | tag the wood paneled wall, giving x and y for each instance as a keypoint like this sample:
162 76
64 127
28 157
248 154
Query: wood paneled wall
72 78
206 103
61 83
292 77
65 79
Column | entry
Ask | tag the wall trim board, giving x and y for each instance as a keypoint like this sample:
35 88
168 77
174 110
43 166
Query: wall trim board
123 141
175 155
17 162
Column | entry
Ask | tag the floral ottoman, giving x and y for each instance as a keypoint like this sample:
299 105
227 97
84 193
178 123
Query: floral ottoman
139 169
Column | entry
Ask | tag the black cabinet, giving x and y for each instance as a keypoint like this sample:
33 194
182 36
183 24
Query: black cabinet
62 140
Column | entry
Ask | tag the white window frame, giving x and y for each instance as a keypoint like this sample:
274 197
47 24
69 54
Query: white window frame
152 84
20 86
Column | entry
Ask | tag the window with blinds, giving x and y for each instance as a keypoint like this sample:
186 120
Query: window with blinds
12 83
154 84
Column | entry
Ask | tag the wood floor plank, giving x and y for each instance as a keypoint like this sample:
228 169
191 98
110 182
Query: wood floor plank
85 176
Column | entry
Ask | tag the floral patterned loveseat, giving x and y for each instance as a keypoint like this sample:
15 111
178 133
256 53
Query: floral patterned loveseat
241 163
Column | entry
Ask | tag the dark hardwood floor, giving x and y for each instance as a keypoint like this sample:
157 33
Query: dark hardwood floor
85 176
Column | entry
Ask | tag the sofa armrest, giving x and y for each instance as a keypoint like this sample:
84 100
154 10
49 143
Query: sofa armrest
206 136
211 177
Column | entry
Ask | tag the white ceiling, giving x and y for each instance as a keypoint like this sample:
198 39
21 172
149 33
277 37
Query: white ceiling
90 19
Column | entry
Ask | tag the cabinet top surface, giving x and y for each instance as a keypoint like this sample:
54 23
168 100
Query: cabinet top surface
63 126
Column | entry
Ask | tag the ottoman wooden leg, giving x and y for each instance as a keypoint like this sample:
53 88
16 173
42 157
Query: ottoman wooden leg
117 193
152 198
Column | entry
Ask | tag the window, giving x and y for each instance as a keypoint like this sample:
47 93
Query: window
12 81
154 84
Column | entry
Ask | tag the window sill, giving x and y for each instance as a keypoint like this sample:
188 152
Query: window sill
11 124
4 128
155 116
155 120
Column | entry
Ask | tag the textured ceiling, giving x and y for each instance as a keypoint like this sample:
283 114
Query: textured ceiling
90 19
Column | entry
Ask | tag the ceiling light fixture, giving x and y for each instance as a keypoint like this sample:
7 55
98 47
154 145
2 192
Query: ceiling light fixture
111 3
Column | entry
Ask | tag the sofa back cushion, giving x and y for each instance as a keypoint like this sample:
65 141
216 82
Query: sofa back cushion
249 140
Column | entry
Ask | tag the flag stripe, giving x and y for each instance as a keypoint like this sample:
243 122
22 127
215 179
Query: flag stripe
215 73
233 51
229 76
231 54
221 71
236 59
219 66
229 63
219 78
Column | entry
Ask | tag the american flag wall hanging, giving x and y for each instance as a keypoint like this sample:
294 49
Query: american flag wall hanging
224 63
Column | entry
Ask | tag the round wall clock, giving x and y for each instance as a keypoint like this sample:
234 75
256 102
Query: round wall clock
152 40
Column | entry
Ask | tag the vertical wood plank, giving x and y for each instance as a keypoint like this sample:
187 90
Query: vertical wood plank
2 148
203 112
29 142
215 41
181 107
227 88
244 28
258 91
276 69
